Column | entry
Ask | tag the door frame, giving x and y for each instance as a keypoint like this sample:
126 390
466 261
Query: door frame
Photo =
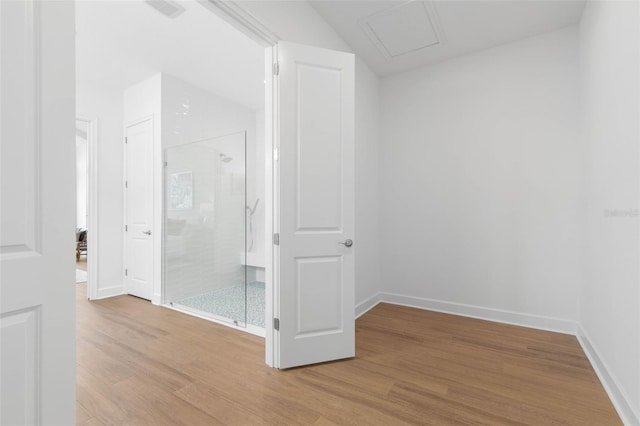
92 205
240 19
156 217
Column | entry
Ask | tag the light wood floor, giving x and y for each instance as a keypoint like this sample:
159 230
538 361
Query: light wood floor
141 364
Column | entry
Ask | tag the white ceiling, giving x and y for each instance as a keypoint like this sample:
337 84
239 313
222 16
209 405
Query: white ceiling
461 26
120 43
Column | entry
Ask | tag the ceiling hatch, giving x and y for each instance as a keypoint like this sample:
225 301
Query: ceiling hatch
403 29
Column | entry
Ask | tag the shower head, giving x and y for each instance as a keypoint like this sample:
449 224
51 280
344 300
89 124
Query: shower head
224 158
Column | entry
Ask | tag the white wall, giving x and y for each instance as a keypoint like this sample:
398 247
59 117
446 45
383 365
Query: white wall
106 107
481 183
610 297
298 22
367 246
208 115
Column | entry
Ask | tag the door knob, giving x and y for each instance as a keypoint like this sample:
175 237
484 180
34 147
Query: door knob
147 232
347 243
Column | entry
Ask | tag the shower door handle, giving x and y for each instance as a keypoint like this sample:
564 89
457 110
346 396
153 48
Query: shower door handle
347 243
147 232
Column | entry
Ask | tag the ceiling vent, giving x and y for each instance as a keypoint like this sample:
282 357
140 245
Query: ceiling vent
168 8
403 29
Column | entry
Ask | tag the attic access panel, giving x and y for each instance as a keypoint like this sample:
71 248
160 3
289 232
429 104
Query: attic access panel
403 29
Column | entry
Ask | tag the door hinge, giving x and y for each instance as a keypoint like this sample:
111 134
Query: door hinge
276 68
126 140
126 184
276 324
166 164
126 228
276 239
126 272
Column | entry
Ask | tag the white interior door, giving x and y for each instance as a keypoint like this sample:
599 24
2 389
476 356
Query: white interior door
139 209
315 257
37 208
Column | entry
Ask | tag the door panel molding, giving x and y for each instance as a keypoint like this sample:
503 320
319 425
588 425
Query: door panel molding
21 331
21 234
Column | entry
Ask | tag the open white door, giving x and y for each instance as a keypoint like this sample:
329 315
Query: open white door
37 250
138 277
315 200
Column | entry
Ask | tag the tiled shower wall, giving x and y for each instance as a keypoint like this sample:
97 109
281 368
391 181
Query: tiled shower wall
204 252
204 239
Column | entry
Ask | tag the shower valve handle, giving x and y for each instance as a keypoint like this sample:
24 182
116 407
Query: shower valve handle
347 243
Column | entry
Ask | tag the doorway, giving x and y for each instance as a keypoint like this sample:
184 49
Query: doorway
154 70
86 200
316 320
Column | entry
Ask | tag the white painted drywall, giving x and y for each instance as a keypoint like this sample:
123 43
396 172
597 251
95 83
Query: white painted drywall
191 114
143 100
106 107
610 297
481 180
298 22
367 247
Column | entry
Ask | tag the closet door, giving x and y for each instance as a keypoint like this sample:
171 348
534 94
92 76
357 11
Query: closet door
37 211
315 199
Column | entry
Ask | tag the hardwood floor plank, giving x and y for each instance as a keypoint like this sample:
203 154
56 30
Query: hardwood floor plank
141 364
149 403
98 399
92 422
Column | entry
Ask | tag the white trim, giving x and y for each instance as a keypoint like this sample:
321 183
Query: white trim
106 292
540 322
618 398
368 304
156 227
275 202
243 21
269 111
93 207
157 289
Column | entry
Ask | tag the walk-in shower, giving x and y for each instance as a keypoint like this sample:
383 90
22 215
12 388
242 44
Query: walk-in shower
206 233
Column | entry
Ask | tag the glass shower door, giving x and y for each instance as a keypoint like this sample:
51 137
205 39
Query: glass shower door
205 230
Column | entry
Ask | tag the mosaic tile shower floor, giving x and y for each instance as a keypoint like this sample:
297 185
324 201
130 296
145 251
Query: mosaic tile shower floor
228 302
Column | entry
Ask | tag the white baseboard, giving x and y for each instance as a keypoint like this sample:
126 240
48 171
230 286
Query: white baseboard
367 304
620 401
156 299
557 325
103 293
617 397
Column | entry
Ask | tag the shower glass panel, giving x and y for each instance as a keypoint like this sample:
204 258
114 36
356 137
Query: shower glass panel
205 228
